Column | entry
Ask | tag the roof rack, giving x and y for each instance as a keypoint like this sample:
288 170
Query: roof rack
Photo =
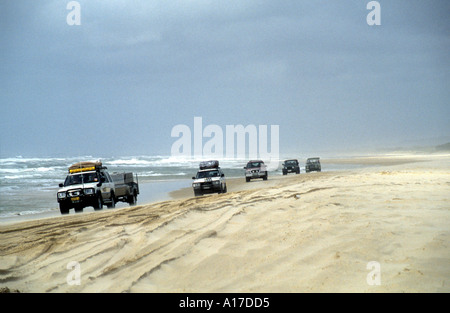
85 167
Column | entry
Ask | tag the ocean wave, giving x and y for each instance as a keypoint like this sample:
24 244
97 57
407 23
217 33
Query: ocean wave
153 174
27 170
130 162
9 214
151 162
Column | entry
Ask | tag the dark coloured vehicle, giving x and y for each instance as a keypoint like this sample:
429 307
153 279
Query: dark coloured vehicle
313 164
291 166
255 169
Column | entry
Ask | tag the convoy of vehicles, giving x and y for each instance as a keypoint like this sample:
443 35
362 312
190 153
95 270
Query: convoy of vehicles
89 184
209 179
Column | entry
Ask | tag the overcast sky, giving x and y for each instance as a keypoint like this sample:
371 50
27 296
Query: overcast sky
118 83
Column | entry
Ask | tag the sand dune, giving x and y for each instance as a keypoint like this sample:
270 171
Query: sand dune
313 232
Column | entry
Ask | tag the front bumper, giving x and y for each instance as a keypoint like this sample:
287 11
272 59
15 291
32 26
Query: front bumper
207 187
79 201
290 170
255 174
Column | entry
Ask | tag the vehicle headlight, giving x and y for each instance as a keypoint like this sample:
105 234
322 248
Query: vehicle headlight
89 191
195 185
216 182
61 195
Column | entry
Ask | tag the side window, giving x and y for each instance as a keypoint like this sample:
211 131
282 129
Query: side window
108 178
104 177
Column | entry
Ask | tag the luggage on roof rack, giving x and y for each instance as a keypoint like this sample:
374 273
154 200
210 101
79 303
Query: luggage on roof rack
209 164
85 166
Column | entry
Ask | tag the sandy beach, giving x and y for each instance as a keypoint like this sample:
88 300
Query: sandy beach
315 232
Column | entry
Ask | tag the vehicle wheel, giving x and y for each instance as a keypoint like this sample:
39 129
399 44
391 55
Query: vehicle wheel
197 193
225 190
132 199
284 173
298 172
112 204
64 209
98 205
265 177
247 179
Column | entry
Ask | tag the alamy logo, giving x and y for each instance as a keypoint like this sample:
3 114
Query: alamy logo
374 16
235 145
374 276
74 277
74 16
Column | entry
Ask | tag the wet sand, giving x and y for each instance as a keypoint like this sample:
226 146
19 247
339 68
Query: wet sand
314 232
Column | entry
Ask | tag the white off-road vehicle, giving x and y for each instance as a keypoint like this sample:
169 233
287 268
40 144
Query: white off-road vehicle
209 179
255 169
89 184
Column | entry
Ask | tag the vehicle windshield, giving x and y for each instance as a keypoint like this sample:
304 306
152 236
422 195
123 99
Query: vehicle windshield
208 174
81 179
253 164
313 161
290 163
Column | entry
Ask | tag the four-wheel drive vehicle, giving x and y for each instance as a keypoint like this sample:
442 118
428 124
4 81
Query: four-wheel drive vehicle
313 164
291 166
89 184
255 169
209 179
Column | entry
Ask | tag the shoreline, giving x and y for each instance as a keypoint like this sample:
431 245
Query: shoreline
150 192
174 190
315 232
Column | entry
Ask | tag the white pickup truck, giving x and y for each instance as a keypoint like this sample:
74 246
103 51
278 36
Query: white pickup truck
89 184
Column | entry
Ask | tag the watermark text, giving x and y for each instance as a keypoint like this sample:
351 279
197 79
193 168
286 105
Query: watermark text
235 141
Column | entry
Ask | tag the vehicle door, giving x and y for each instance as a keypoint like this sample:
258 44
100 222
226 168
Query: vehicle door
107 185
